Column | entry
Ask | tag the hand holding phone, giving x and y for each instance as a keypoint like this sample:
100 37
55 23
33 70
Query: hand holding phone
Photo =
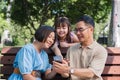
57 58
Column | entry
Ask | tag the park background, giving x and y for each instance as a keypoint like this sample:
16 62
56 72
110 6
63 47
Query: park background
20 18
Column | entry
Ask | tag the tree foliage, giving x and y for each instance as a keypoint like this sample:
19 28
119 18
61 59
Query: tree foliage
27 15
31 12
98 9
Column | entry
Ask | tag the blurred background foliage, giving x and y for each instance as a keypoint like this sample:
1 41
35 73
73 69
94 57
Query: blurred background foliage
27 15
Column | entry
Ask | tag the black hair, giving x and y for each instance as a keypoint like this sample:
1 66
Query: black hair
87 19
62 21
43 32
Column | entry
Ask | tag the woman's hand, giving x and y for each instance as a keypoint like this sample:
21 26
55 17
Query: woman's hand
49 74
28 77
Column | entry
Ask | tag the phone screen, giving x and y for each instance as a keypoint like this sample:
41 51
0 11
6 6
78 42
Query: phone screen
57 58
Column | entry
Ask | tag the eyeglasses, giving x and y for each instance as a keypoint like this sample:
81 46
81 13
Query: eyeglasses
80 29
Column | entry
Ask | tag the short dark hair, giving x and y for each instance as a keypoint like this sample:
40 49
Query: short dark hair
43 32
87 19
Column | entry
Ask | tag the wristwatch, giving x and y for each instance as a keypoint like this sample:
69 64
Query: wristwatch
72 71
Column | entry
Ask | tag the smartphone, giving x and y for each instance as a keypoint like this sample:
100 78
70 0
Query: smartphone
57 58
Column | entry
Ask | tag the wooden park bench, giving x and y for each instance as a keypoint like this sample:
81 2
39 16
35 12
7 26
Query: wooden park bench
111 70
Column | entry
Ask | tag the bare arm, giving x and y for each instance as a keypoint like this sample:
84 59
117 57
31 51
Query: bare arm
83 73
28 77
50 74
65 44
56 50
74 37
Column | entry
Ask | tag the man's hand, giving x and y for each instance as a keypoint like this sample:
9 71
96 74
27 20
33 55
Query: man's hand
61 67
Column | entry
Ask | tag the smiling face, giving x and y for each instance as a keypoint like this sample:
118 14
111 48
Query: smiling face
50 40
62 30
84 32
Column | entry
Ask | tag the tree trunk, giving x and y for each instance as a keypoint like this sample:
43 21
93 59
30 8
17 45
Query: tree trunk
114 34
8 10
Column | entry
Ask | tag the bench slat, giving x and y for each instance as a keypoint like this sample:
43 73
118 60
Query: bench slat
7 59
14 50
113 59
111 78
10 50
114 70
6 70
113 50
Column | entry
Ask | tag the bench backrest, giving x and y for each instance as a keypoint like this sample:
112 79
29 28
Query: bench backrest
112 67
111 70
